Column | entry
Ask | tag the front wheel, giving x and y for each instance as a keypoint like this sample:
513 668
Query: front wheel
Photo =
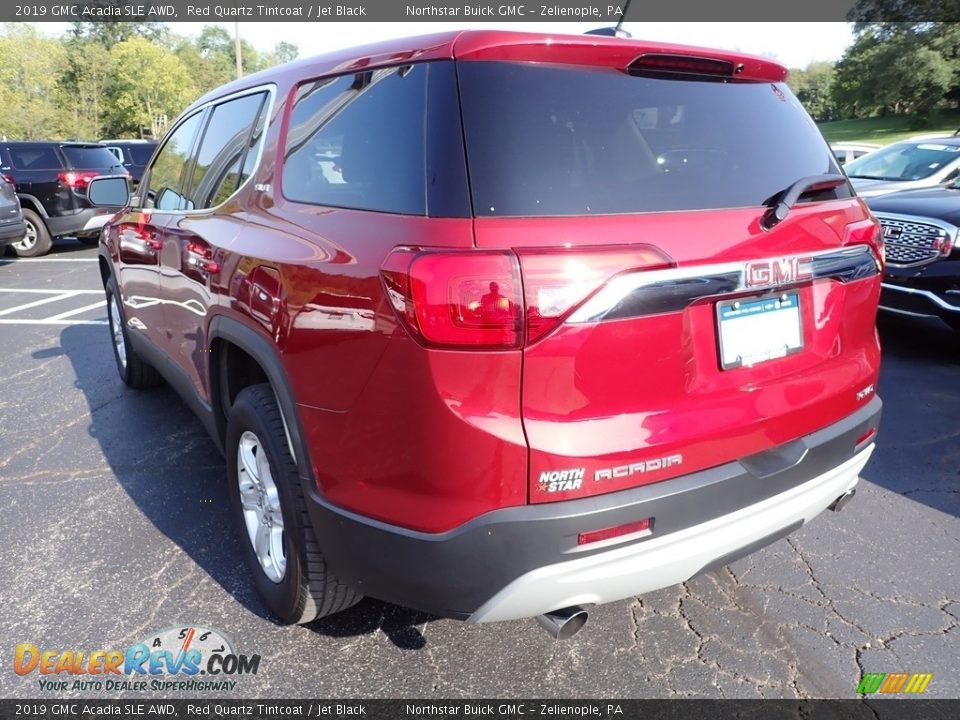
288 567
36 241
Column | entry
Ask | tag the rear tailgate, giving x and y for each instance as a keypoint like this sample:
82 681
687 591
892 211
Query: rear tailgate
634 204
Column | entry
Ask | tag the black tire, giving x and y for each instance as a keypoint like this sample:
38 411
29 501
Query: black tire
89 240
306 590
133 370
37 241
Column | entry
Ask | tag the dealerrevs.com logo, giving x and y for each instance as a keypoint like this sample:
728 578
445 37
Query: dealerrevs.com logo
187 658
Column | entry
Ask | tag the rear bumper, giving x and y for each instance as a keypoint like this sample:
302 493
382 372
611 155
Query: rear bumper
84 222
523 561
674 558
12 232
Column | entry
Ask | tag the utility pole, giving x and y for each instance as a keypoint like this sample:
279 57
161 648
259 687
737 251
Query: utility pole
236 49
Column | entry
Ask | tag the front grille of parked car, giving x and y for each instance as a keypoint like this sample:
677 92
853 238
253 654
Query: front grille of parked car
910 242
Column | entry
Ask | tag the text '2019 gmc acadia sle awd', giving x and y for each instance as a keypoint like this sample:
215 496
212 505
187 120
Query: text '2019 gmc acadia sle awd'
499 325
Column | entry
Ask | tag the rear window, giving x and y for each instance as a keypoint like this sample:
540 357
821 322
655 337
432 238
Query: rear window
551 140
89 158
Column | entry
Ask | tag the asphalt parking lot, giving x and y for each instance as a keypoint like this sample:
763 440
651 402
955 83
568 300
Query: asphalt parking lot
116 526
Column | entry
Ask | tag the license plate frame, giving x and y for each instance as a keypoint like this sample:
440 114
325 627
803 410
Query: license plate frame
742 315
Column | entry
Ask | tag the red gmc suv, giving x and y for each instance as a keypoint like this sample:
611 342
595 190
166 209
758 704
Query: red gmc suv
499 325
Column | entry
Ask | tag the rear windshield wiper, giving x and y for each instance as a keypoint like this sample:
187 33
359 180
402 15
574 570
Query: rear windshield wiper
781 203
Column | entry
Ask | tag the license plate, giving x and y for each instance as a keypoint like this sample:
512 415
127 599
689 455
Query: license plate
754 330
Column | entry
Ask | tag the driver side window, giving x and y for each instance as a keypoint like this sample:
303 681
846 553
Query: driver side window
170 166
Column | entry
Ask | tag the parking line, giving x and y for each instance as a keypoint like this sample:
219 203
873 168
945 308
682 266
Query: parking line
77 311
10 261
50 291
41 301
48 321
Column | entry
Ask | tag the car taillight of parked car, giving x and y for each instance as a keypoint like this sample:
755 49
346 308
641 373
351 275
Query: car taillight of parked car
77 180
8 178
500 300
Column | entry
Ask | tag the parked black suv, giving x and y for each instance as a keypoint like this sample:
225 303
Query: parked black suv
134 155
920 228
51 182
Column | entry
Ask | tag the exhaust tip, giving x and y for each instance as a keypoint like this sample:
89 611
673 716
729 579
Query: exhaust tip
563 624
841 502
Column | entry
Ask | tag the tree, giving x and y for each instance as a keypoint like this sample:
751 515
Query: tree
85 83
284 52
905 68
151 86
216 45
30 94
813 88
207 72
893 13
111 32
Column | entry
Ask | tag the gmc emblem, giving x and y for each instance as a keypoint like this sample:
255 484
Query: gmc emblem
778 272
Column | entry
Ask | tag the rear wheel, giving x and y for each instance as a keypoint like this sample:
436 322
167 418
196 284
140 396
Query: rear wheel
281 550
36 241
89 240
133 369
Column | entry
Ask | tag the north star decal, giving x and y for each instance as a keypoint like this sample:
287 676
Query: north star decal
553 481
622 471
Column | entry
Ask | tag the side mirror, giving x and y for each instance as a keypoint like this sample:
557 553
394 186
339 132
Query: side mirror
108 191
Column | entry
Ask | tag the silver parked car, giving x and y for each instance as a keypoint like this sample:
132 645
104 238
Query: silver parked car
907 165
847 151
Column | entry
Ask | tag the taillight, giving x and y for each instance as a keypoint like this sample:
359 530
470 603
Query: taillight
867 232
76 180
8 178
491 299
457 299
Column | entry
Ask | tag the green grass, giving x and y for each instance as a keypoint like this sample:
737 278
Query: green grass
883 130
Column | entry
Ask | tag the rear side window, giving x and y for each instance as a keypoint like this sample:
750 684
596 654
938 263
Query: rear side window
223 150
357 141
166 173
34 157
89 158
550 140
140 155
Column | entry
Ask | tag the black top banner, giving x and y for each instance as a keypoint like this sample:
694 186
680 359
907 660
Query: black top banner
422 11
207 708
